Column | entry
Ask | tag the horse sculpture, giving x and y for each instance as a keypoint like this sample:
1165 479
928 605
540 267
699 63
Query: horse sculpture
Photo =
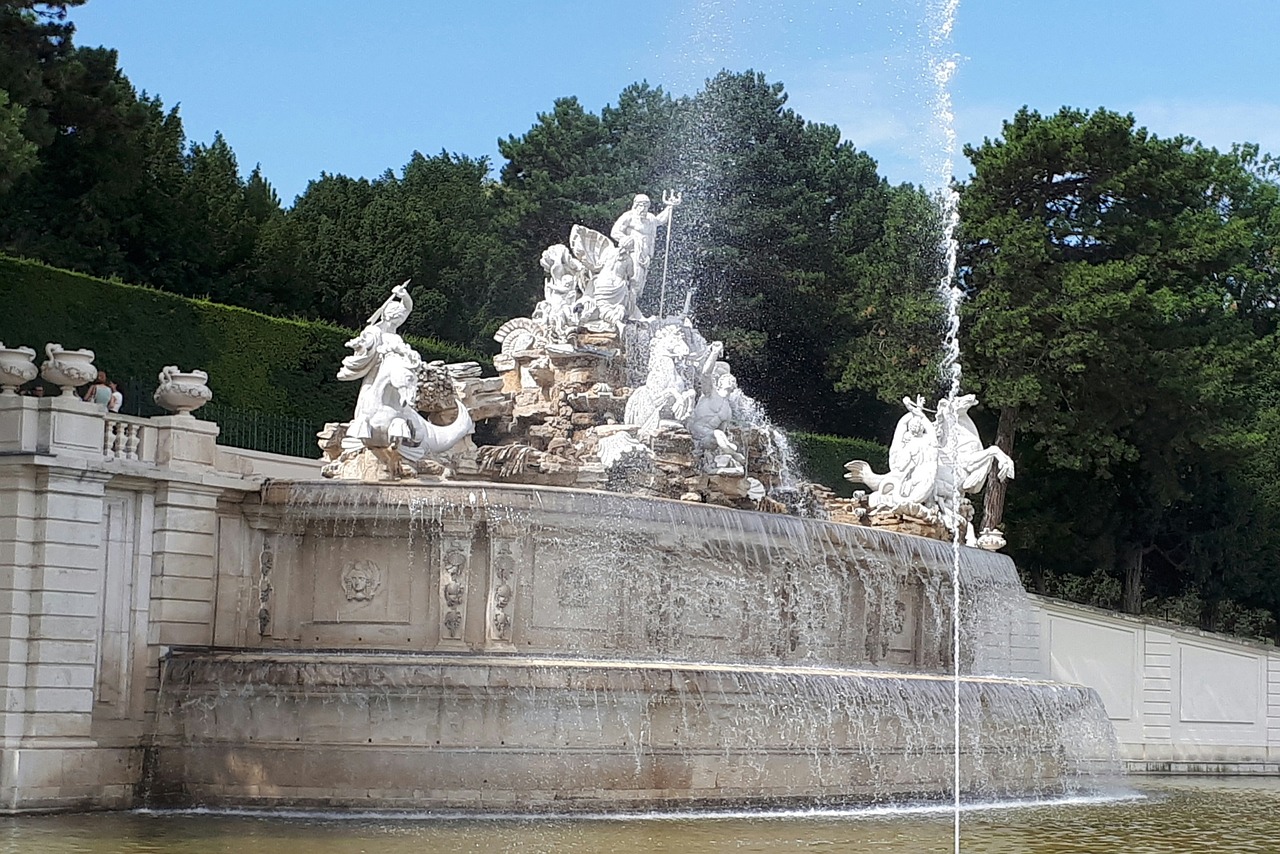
924 469
665 395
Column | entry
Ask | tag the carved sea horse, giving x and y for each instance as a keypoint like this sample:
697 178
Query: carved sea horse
973 460
385 421
665 390
971 465
912 479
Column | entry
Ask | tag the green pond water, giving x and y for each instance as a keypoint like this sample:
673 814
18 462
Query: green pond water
1240 816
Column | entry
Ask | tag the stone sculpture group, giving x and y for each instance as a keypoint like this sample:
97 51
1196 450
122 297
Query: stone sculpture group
592 393
931 472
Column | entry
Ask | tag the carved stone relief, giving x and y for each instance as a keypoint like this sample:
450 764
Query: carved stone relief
502 570
265 562
361 580
455 554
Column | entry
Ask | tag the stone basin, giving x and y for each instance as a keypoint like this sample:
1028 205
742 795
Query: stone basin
473 733
480 646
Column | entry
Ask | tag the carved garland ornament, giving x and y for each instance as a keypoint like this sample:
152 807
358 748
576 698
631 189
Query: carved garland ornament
265 561
453 591
503 570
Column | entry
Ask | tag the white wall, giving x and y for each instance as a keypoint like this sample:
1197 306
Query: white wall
1181 700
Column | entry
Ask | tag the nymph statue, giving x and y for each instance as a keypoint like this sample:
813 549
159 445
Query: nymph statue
606 301
560 290
712 416
385 421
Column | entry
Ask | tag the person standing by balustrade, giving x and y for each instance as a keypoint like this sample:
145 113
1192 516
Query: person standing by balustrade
99 392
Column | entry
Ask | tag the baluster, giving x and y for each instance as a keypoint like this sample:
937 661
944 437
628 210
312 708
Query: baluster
132 439
107 430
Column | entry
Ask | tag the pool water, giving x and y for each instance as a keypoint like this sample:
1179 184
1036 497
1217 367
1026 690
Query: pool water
1178 816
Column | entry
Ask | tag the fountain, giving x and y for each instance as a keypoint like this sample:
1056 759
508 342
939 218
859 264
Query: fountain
593 582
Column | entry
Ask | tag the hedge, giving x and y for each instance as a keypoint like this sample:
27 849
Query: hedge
822 458
254 361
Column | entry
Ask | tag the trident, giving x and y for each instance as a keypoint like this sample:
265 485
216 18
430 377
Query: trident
670 198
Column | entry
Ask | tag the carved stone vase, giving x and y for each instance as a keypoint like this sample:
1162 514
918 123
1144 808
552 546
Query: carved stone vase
17 366
182 392
67 368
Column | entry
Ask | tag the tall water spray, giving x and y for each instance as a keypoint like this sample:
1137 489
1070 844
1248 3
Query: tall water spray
942 18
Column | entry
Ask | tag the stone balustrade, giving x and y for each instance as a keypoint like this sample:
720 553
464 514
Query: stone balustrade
127 438
108 547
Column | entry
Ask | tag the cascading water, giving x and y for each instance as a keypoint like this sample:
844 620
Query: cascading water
547 649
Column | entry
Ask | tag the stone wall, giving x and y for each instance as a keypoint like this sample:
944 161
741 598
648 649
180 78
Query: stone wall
551 571
1181 701
107 532
121 538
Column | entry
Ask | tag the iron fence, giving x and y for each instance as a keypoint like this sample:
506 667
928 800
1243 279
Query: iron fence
263 431
239 428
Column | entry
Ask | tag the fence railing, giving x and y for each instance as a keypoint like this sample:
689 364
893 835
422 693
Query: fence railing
240 428
263 431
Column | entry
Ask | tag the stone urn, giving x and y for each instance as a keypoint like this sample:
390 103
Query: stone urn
67 368
17 366
182 392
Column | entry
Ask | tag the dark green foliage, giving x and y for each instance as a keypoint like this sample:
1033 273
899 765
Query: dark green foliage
821 458
1121 302
17 153
285 367
778 209
435 224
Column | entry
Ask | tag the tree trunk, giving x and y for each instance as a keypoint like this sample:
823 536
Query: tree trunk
993 501
1131 597
1209 611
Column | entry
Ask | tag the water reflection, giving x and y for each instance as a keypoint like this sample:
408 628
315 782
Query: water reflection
1172 817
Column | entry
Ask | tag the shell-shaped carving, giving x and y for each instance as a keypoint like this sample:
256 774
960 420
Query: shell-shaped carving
520 333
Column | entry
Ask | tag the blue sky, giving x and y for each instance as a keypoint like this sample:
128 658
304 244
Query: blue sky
305 86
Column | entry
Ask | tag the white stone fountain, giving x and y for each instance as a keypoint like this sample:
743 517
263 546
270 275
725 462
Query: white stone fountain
601 600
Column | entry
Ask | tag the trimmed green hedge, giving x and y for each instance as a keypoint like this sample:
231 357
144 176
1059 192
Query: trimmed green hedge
284 367
822 458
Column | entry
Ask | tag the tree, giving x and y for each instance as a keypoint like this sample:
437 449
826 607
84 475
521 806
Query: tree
434 224
35 44
776 211
561 172
85 204
17 153
1100 322
892 323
